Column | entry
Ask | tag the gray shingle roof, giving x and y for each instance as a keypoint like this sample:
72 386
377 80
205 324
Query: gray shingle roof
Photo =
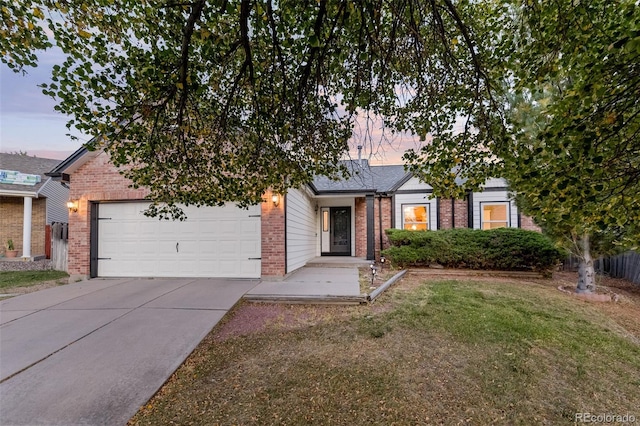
363 178
29 165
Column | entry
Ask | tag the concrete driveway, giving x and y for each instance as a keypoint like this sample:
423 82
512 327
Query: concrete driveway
91 353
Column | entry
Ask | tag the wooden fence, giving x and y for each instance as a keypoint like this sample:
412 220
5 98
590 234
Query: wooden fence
625 265
59 247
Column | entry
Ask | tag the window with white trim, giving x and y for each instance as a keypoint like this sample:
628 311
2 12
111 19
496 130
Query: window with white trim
415 217
494 215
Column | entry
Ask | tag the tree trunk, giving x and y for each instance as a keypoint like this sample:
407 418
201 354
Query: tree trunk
586 271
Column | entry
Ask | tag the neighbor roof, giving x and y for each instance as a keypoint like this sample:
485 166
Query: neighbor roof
29 165
363 178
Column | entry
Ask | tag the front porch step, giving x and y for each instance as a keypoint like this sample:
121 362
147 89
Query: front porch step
337 262
306 299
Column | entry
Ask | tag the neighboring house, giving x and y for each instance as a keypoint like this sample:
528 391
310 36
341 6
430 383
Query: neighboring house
110 236
29 201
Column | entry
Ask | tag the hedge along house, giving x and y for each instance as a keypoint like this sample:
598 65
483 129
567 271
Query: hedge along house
111 237
29 201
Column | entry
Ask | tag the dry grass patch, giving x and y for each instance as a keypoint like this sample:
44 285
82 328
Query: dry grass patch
23 282
370 282
437 352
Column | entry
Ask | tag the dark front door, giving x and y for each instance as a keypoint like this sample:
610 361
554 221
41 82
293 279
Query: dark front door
340 232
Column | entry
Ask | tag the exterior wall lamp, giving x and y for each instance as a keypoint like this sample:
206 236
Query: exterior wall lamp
72 205
276 200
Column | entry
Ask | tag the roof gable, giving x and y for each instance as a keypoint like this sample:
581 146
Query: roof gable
363 178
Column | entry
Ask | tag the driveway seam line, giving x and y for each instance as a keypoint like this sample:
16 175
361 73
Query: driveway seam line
65 346
60 303
91 332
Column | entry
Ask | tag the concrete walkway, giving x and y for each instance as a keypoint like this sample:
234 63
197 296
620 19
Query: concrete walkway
91 353
324 284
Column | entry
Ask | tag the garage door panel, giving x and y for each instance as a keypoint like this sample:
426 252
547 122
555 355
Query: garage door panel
146 228
229 228
250 248
187 249
188 229
212 242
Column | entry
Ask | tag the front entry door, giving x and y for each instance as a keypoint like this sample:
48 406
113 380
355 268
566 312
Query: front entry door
340 231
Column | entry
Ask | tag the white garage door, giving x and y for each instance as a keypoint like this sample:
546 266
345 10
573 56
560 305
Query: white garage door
212 242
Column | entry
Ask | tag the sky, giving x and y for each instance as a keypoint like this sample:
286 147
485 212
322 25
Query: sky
29 123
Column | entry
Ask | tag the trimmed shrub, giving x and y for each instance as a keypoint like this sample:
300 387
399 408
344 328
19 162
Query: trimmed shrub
495 249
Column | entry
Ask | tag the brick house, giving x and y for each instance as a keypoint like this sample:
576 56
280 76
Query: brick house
29 201
110 236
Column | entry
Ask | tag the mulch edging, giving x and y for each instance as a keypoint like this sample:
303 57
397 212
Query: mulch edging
476 273
590 297
7 265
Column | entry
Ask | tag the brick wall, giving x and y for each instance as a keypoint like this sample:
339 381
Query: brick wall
360 216
461 219
96 180
526 222
11 218
99 180
361 224
273 237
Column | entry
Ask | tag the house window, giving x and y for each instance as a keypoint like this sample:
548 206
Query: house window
415 217
495 215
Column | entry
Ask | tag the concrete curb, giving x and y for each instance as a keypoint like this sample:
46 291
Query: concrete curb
374 294
309 299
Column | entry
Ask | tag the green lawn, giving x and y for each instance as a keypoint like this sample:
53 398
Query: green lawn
12 279
441 352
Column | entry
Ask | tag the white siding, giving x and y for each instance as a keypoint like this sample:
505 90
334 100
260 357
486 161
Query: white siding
493 197
413 184
301 229
496 183
57 197
416 199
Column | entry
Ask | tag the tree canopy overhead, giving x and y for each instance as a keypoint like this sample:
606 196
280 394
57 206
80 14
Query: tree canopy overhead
571 151
212 101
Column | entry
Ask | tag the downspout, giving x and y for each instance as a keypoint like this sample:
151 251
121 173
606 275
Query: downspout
286 255
470 209
519 219
453 213
393 211
371 242
437 213
380 219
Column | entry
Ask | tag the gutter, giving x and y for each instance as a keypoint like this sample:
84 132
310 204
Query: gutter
334 192
66 163
9 193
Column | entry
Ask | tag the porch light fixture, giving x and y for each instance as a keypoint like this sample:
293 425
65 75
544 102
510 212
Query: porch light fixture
72 205
374 271
276 200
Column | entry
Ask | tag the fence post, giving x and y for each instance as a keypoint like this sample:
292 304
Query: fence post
59 246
